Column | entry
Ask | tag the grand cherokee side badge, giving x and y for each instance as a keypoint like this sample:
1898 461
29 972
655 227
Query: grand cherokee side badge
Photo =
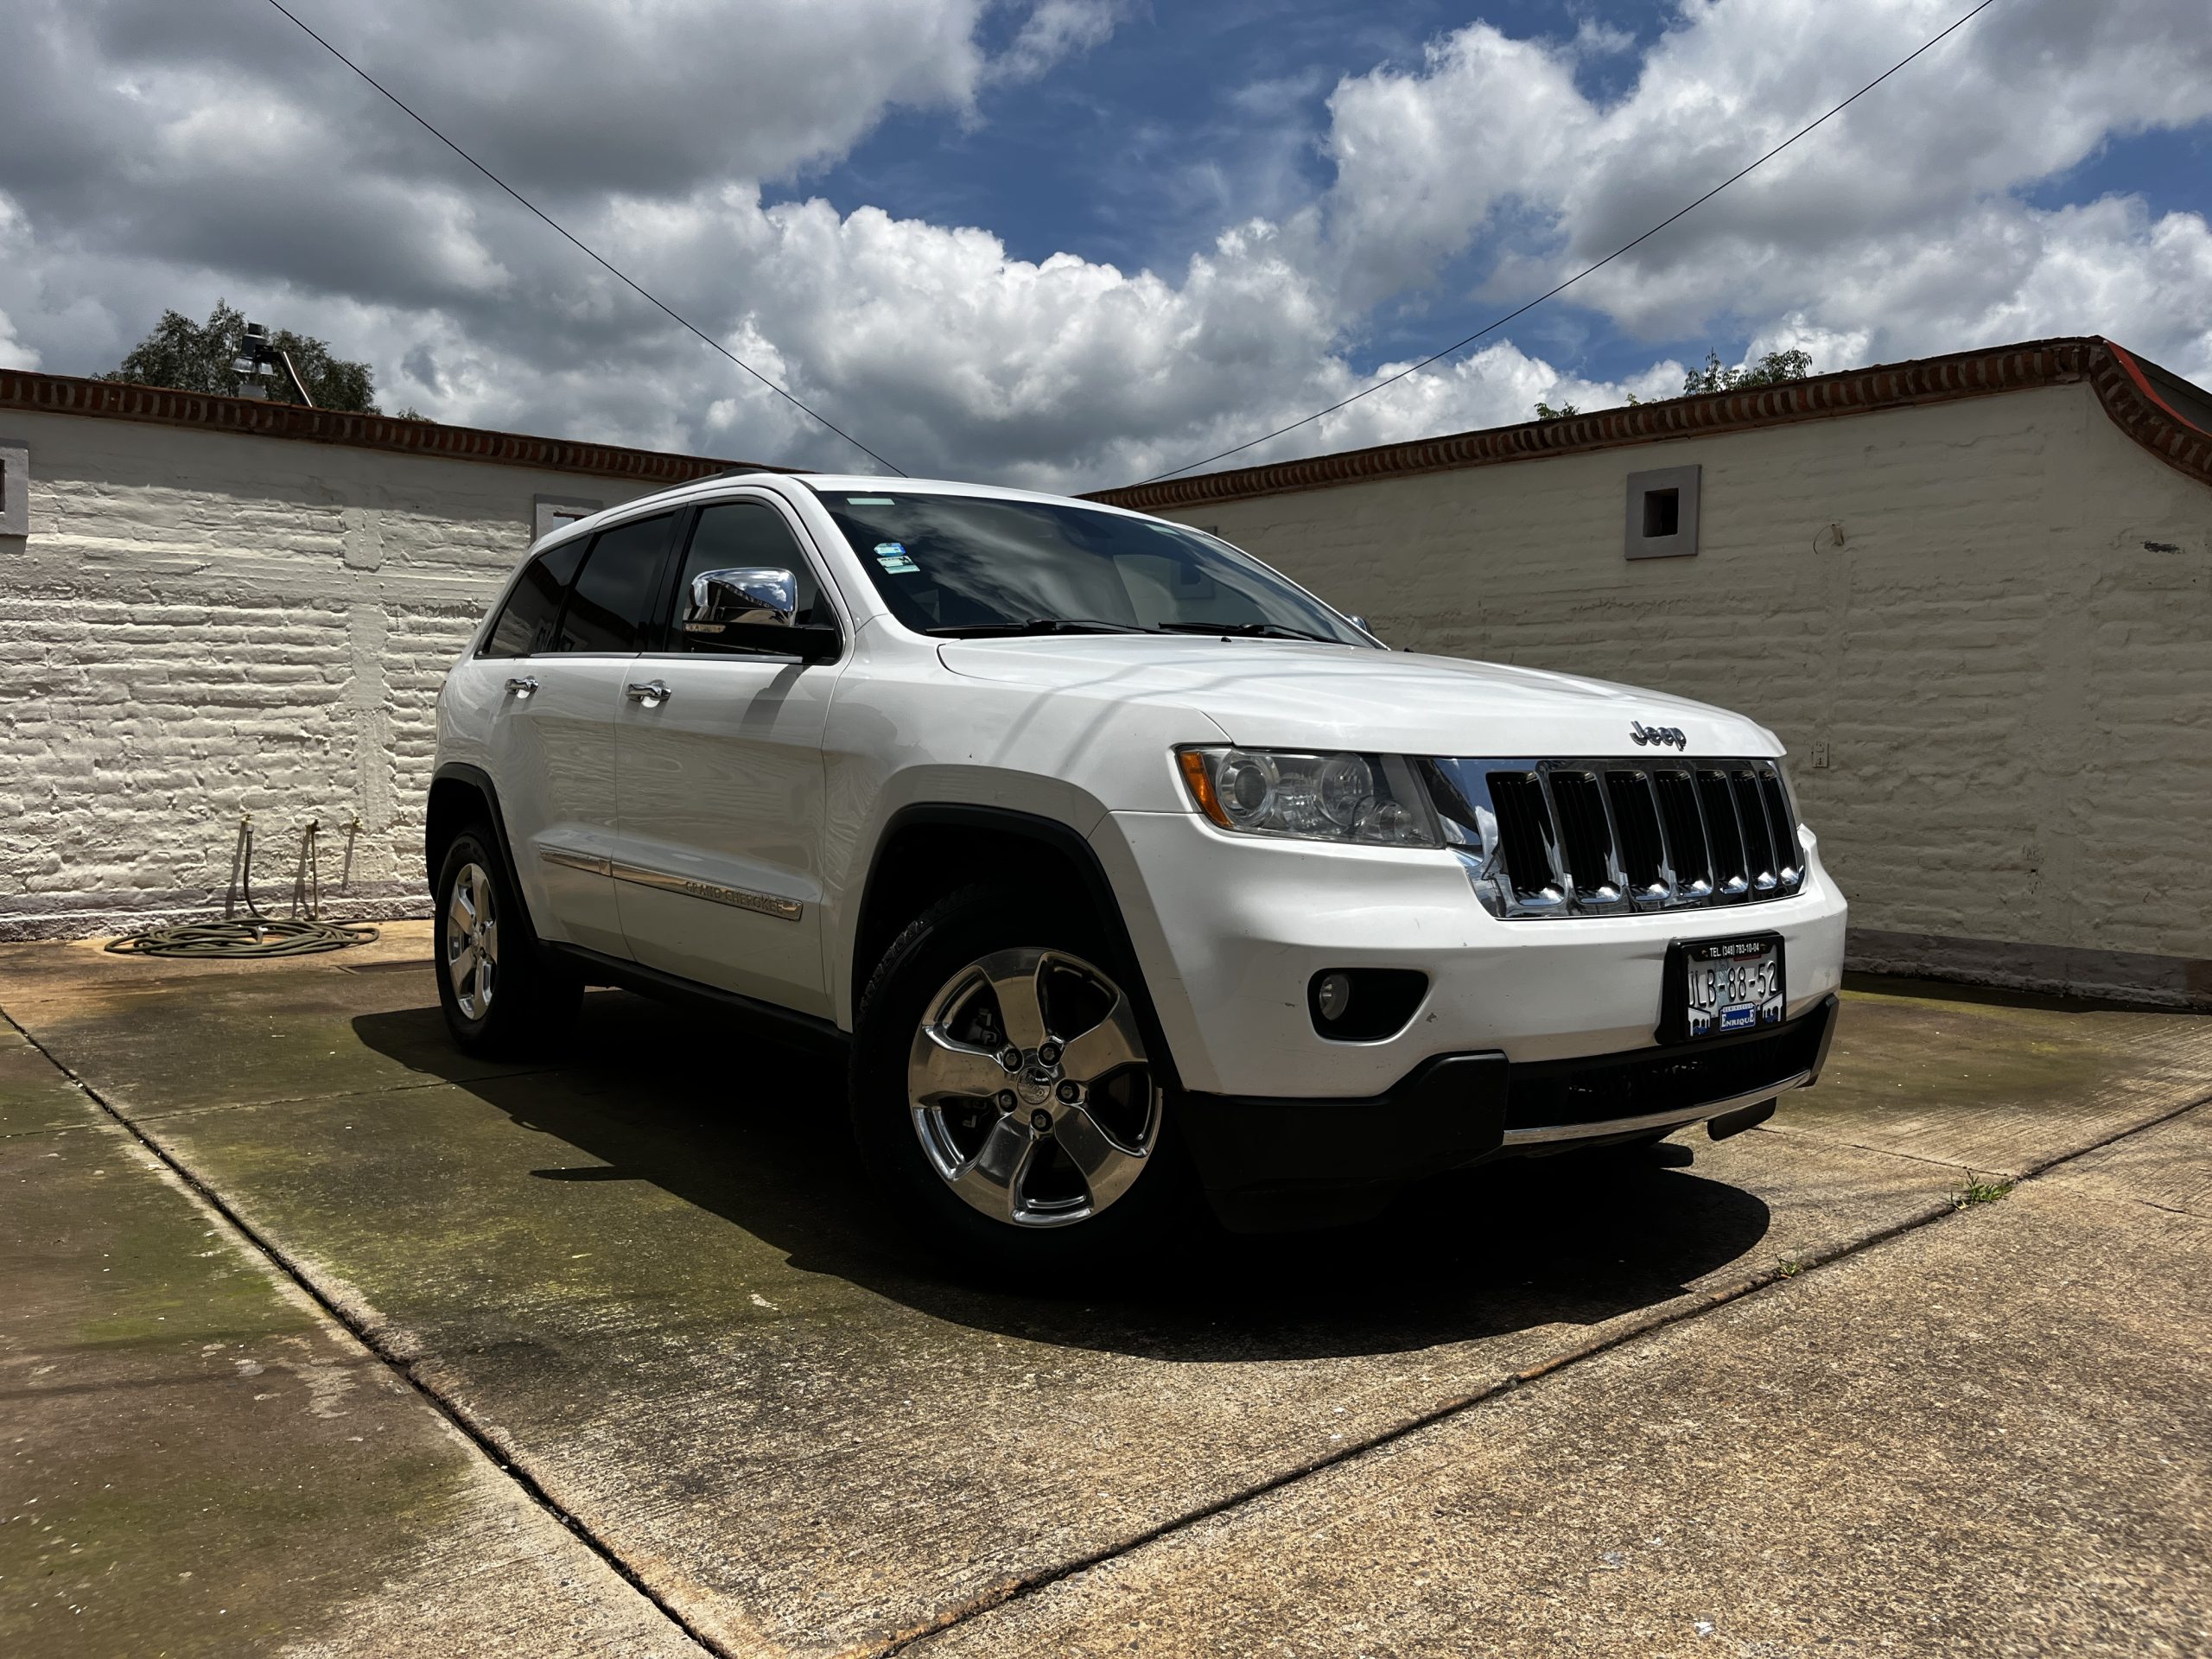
1661 735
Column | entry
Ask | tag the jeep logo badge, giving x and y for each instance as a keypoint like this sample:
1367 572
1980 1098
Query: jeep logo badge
1662 736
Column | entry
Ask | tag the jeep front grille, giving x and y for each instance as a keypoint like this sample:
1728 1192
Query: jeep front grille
1610 837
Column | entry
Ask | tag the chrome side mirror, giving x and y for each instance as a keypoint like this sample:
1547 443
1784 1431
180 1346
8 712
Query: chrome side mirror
721 597
755 608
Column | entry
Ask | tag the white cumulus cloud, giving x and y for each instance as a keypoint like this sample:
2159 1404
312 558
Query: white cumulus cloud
153 156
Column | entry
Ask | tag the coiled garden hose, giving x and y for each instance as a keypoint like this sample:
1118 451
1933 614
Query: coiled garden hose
244 937
253 934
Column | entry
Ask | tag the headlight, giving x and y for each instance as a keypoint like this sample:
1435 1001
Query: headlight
1372 800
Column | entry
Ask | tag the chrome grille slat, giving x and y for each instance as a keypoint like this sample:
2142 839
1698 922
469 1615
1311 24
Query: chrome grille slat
1611 836
1760 860
1526 840
1638 841
1585 836
1724 834
1781 828
1690 854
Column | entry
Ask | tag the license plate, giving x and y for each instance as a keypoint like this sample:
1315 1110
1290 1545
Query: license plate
1730 985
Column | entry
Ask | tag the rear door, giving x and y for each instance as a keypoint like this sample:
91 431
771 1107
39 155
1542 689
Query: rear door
719 863
552 747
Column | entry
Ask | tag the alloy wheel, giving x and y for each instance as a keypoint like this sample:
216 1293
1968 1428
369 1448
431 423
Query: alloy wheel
1029 1088
471 942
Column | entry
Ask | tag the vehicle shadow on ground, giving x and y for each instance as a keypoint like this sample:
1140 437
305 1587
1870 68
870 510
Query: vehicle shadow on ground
754 1132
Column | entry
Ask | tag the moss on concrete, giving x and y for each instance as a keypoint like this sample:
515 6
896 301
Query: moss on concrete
194 1461
661 1285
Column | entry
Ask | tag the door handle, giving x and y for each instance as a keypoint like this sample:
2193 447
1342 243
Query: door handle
653 693
522 685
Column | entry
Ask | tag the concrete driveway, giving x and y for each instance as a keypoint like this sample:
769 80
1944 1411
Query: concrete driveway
317 1337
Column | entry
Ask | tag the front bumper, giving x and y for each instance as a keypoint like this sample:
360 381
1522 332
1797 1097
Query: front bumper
1276 1163
1230 930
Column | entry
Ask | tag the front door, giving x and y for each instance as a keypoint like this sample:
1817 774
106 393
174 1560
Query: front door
718 869
552 750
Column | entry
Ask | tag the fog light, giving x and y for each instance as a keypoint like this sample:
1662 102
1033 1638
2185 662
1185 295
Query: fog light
1332 996
1363 1005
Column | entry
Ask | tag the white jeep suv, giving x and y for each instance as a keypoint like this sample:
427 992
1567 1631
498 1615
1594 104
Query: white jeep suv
1124 868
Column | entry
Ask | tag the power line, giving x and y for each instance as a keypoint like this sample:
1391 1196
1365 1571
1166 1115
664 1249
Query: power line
604 263
1490 327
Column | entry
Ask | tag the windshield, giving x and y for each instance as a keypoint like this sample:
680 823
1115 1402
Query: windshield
956 565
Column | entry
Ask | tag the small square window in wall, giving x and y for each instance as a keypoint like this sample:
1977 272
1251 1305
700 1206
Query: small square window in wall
549 512
1662 514
15 487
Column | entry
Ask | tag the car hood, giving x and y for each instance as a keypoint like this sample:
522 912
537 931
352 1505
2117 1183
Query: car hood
1286 693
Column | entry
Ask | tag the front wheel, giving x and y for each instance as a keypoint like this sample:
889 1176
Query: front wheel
1003 1089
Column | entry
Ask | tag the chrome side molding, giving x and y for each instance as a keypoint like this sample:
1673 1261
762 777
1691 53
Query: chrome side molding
587 862
761 904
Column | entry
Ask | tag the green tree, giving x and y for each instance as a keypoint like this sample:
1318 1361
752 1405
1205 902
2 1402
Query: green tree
1769 371
1546 412
192 356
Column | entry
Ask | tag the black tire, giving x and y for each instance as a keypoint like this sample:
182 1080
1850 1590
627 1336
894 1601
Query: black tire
519 1002
908 1144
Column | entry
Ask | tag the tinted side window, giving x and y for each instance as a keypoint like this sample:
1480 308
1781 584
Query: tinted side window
739 534
611 606
526 621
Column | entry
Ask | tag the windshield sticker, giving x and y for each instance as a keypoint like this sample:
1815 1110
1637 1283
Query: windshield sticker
867 500
892 555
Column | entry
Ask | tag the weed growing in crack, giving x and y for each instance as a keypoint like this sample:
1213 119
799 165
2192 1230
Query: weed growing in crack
1974 1190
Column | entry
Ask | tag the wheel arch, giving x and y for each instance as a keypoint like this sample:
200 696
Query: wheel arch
928 849
459 793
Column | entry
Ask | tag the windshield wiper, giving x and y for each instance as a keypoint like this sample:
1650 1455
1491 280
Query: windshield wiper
1247 631
1035 624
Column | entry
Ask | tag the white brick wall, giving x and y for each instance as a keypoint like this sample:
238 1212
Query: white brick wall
202 625
2016 691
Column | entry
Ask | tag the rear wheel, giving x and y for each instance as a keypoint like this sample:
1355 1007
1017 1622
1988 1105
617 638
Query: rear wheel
500 991
1004 1090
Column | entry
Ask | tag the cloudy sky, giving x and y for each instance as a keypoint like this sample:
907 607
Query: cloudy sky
1071 243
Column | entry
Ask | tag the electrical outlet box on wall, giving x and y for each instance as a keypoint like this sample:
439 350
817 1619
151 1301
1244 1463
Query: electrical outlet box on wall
549 512
15 487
